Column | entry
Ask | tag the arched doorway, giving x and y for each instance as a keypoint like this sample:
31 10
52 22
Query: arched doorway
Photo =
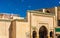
51 34
34 34
43 32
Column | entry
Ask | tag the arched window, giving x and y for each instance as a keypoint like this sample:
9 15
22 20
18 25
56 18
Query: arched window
34 34
51 34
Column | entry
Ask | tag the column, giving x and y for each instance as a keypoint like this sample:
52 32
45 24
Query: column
55 20
37 34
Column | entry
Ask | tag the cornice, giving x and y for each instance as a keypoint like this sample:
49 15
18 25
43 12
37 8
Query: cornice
9 20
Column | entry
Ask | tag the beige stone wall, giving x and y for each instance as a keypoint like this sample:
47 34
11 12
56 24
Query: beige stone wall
4 29
12 30
39 18
1 15
58 13
51 10
22 29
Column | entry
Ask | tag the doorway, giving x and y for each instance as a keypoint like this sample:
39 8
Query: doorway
43 32
34 34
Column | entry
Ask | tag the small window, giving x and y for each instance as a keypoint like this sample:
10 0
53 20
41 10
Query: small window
34 34
58 22
51 34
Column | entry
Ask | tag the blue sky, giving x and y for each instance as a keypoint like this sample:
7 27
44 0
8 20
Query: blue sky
21 6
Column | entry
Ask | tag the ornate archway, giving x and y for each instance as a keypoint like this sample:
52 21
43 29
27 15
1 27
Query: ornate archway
43 32
34 34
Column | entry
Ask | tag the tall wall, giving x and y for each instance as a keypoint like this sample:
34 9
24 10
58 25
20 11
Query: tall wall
4 28
12 29
34 19
22 29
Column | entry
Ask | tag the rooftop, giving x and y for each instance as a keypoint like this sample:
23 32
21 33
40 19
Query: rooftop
45 13
10 16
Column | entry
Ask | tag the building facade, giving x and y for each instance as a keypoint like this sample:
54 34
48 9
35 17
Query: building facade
37 24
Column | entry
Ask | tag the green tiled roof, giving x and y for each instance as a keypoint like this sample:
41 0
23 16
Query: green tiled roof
57 29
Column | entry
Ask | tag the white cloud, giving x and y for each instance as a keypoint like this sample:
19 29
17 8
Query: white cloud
59 2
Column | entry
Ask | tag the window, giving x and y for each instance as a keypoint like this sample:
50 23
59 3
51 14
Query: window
34 34
58 22
51 34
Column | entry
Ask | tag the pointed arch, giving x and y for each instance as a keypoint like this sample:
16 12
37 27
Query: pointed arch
43 32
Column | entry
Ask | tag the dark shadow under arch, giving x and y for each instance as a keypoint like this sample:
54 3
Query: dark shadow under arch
34 34
43 32
51 34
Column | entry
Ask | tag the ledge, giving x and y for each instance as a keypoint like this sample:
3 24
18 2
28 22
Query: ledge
5 20
38 12
21 20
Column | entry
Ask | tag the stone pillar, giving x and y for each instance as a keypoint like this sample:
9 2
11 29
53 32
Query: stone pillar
56 15
48 33
37 34
48 36
55 20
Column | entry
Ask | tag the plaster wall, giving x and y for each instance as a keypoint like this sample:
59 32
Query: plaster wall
4 29
22 29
